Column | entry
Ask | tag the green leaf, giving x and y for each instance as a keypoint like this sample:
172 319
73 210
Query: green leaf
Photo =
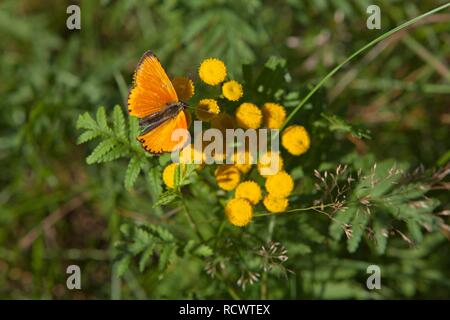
133 170
122 265
359 224
133 123
342 217
146 255
101 119
166 256
87 136
85 121
154 182
415 230
117 152
335 123
204 251
381 236
119 123
160 233
166 197
102 148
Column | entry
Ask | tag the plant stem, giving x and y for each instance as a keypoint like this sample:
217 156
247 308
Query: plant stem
264 278
191 220
264 214
357 53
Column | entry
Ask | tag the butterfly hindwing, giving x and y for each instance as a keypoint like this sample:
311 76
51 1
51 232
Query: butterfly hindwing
152 89
160 139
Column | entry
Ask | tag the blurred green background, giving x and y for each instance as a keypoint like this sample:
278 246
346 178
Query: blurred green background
55 210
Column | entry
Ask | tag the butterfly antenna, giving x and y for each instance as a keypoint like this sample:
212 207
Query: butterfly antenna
195 109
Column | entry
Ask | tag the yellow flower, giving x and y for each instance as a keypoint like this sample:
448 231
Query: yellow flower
243 161
227 177
250 191
222 122
270 164
296 140
184 88
273 115
207 109
212 71
248 116
191 155
232 90
169 174
280 185
239 212
275 204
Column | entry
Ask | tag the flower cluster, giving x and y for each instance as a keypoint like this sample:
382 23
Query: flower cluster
226 111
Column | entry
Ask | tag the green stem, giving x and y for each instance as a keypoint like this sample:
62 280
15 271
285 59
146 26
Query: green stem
357 53
191 220
264 214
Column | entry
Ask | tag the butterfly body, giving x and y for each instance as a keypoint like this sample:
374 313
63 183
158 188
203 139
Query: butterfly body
150 122
154 101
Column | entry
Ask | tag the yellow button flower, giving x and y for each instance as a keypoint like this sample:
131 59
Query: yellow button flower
249 116
270 164
169 174
189 155
273 115
239 212
207 109
227 177
296 140
275 204
243 161
232 90
212 71
184 88
280 185
223 121
250 191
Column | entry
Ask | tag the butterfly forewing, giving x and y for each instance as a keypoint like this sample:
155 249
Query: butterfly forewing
152 89
152 94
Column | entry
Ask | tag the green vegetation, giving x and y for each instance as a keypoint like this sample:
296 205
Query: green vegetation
77 188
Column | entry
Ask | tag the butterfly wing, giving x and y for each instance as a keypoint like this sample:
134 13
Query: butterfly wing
160 139
152 89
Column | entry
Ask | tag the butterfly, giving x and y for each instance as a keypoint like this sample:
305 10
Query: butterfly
154 101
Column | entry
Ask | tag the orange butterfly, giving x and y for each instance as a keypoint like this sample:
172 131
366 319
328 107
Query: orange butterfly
154 101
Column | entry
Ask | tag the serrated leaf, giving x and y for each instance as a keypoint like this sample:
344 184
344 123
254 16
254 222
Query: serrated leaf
119 123
166 255
101 119
122 265
126 230
166 198
196 26
161 233
85 121
115 153
146 255
204 251
381 236
188 247
359 224
101 149
177 177
415 230
133 170
133 123
154 182
87 136
342 217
